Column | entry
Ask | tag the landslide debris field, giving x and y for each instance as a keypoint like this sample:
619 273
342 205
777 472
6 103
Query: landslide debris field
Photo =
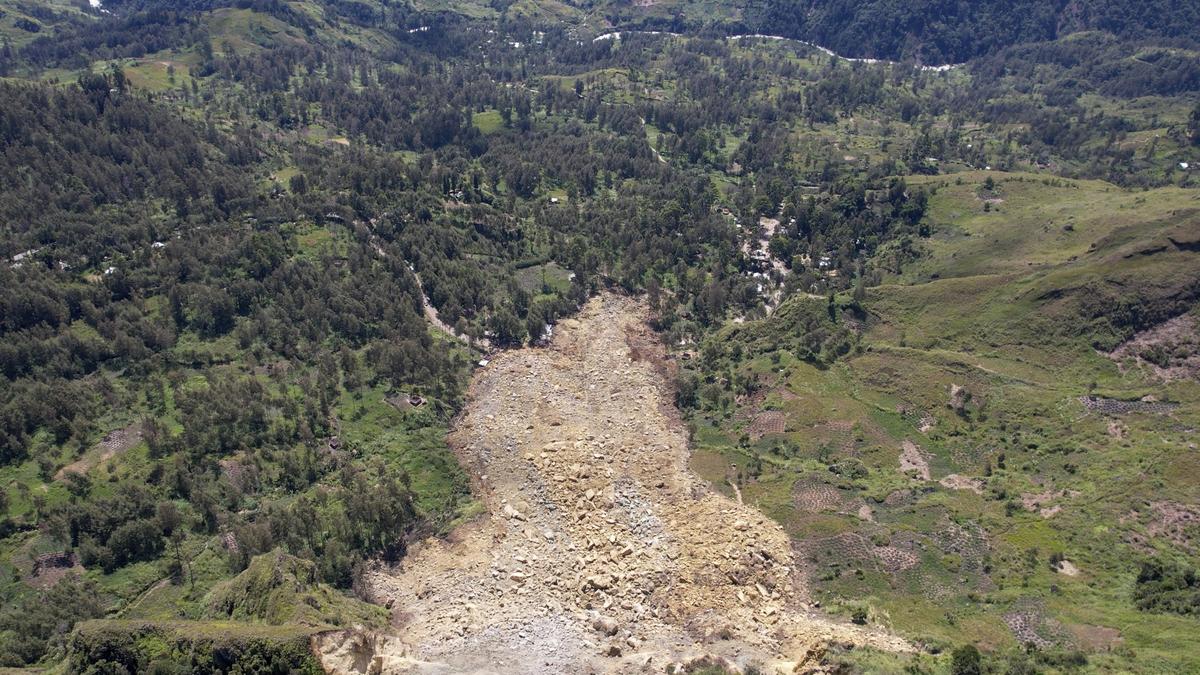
601 551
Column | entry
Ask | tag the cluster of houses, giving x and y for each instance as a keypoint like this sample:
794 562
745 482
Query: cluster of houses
17 261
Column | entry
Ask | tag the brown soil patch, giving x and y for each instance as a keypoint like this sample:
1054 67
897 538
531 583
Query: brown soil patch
601 551
114 443
957 482
1175 522
1170 350
894 560
1044 502
786 394
913 460
1113 406
1029 625
50 568
1095 638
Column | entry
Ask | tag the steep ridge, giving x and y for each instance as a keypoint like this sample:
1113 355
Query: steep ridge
601 552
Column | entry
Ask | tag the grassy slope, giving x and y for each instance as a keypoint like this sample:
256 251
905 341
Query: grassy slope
993 306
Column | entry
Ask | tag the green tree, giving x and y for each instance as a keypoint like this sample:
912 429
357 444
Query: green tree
507 329
33 625
965 660
1194 125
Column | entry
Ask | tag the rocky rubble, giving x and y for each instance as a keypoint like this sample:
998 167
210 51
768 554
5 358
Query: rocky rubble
603 552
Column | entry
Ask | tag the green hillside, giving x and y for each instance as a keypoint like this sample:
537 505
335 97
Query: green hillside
973 468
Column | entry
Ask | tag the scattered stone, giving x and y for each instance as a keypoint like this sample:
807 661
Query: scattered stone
597 526
606 625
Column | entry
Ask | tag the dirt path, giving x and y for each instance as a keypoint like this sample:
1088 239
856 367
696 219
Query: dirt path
431 313
602 551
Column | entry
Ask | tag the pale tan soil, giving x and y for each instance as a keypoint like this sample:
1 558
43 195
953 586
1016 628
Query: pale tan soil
601 552
913 460
1042 501
956 482
1068 568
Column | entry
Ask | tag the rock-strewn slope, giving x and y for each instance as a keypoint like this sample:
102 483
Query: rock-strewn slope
602 551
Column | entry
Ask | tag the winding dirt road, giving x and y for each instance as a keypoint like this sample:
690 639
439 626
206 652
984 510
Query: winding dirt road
601 552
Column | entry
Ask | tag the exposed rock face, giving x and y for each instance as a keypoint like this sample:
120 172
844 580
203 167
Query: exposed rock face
602 551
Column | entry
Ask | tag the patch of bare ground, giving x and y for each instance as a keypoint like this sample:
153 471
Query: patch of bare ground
1044 503
956 482
913 460
50 568
1030 626
1111 406
1067 568
1095 638
114 443
1170 350
601 552
1175 522
894 559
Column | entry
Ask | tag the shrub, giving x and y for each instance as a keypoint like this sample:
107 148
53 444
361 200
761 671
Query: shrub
1166 587
859 615
965 660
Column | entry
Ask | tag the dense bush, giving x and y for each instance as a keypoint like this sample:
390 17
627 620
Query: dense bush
41 621
1167 587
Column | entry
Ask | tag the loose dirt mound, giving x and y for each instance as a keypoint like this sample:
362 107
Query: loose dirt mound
602 552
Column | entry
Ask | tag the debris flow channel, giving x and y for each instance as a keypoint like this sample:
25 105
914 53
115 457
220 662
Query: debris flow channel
600 550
